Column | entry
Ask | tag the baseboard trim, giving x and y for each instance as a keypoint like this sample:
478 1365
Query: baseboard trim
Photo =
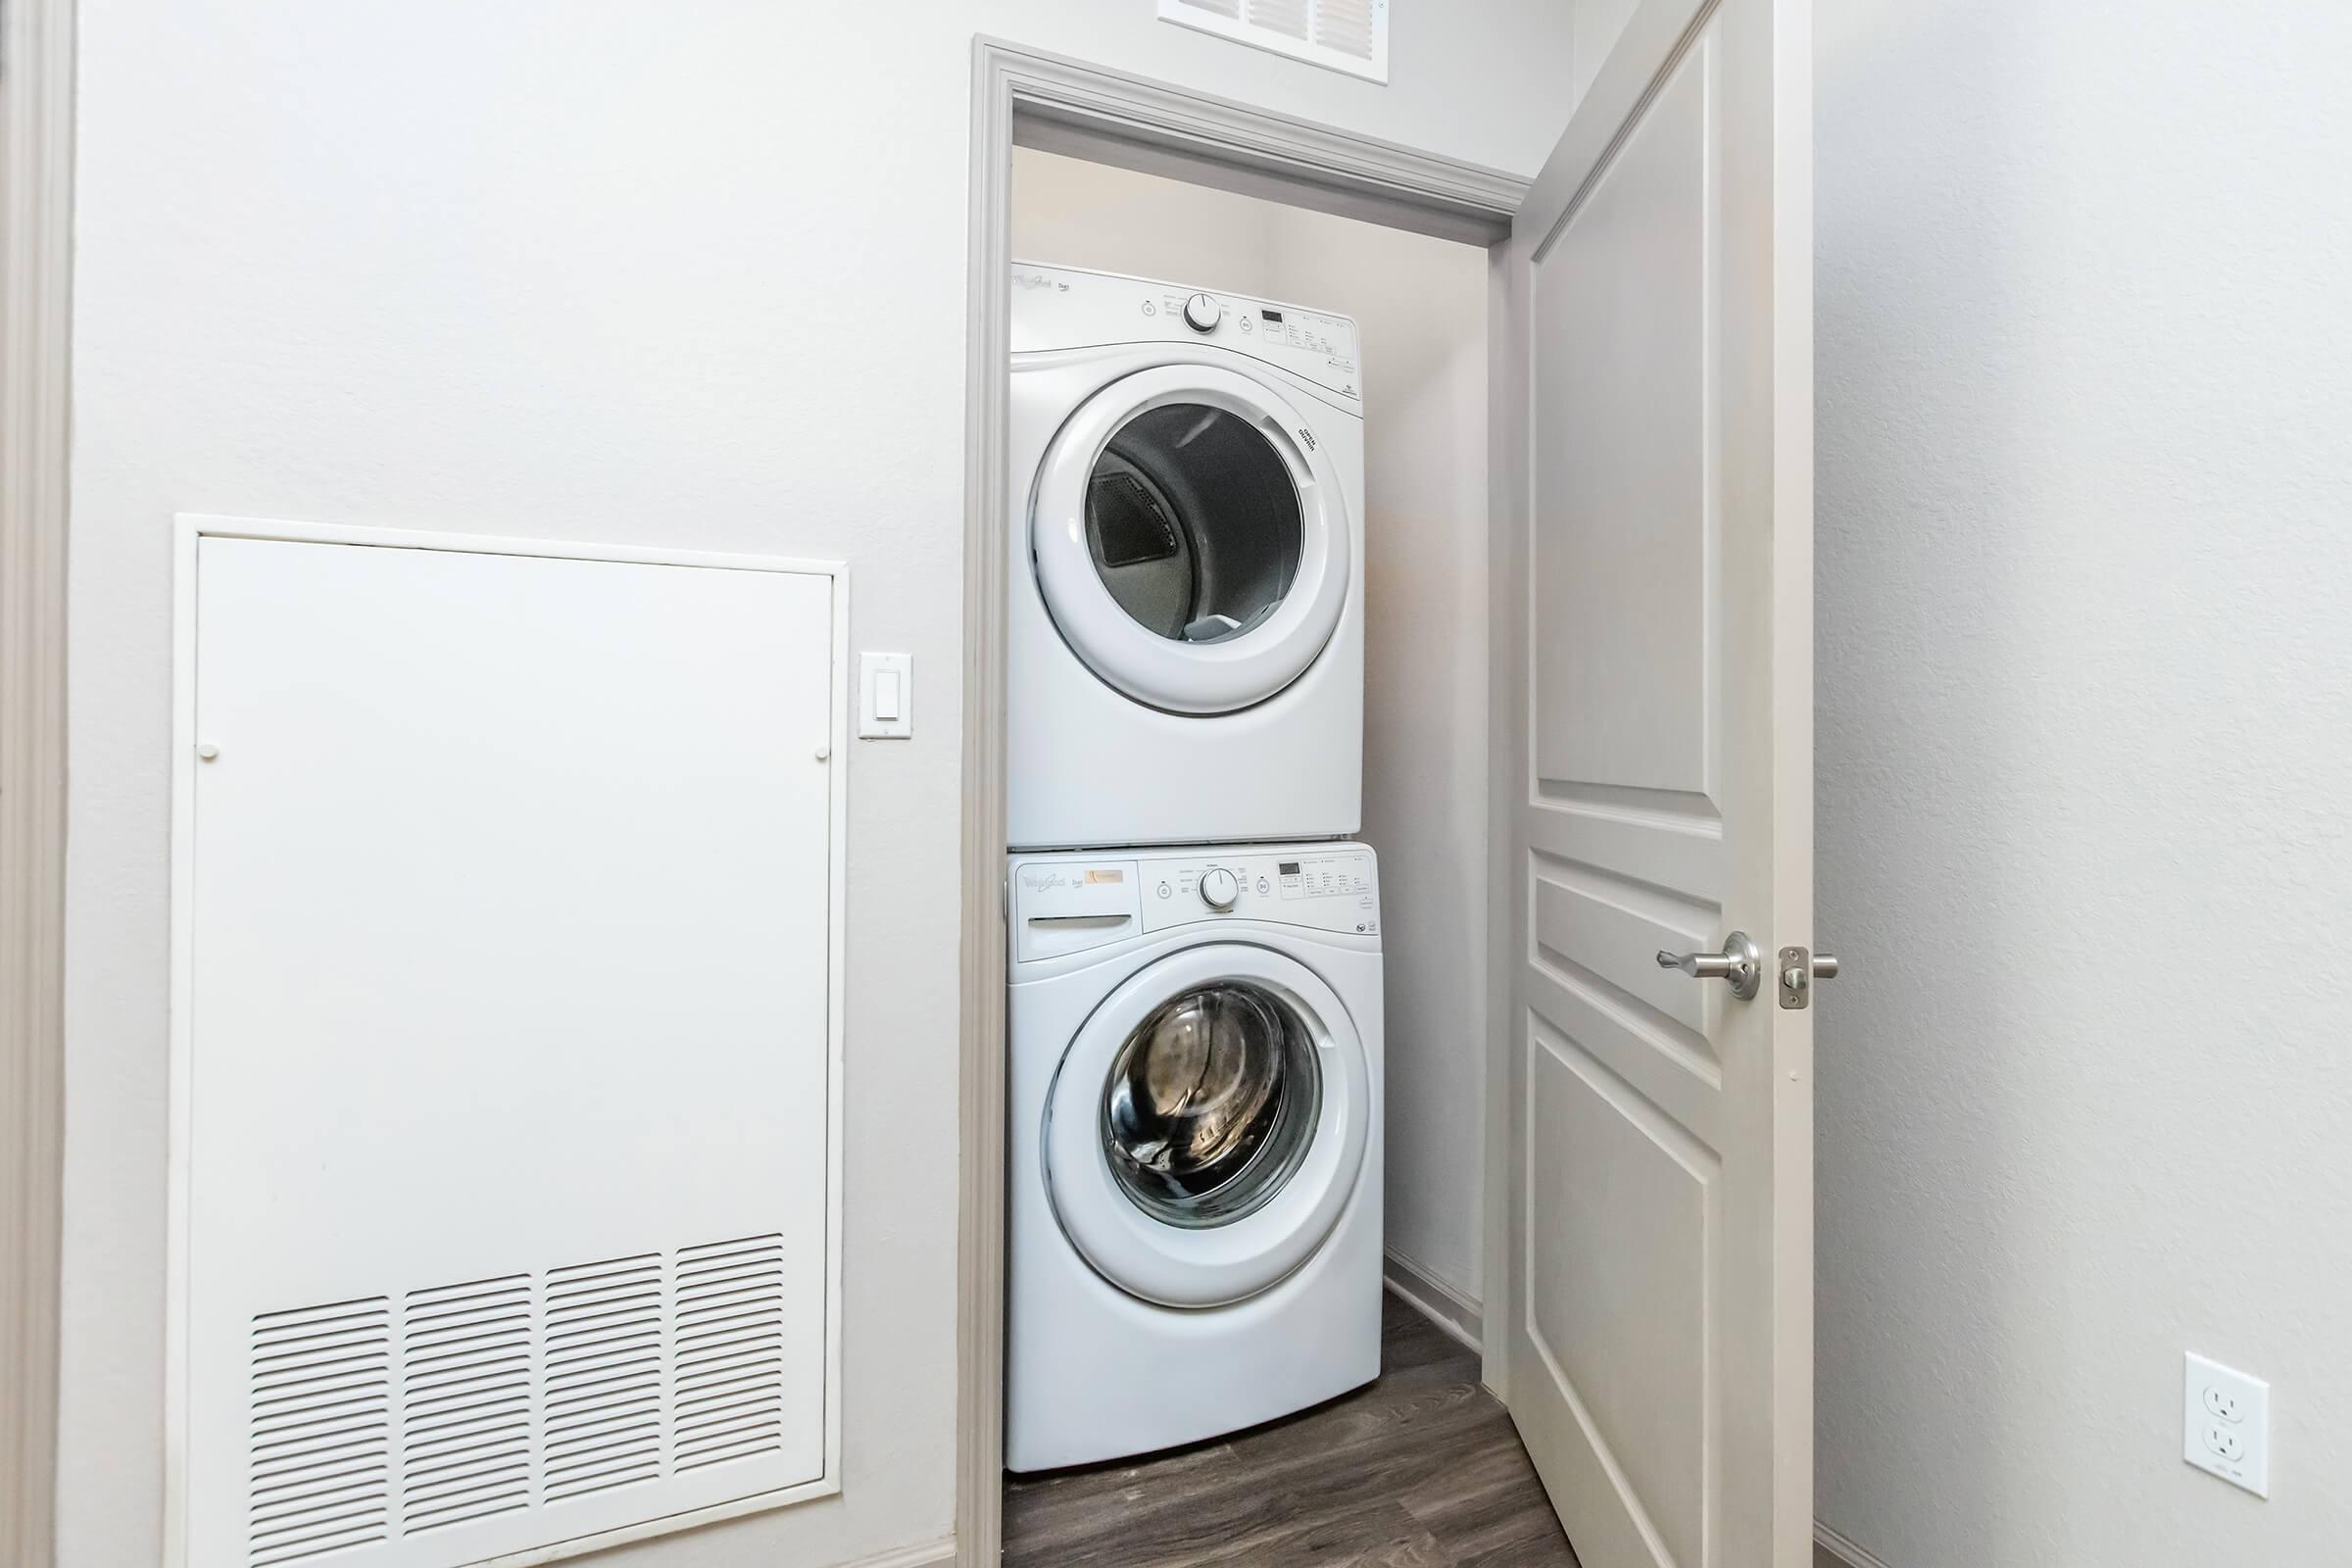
1833 1551
927 1555
1449 1308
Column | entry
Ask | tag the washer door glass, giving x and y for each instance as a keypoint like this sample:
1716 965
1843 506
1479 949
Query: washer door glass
1208 1123
1210 1104
1193 523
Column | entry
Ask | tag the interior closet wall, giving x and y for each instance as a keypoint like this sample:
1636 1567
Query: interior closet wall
1421 305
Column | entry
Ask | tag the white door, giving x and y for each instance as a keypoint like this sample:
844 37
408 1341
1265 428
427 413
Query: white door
1653 1289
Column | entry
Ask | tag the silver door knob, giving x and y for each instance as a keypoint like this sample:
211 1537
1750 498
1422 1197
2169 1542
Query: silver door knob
1741 963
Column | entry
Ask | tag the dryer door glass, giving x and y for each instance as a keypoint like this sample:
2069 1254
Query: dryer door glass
1194 522
1210 1104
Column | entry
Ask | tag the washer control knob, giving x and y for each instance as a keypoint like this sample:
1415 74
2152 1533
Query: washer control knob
1203 313
1219 888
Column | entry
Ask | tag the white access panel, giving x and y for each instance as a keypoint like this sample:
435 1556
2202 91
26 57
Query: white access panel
506 1064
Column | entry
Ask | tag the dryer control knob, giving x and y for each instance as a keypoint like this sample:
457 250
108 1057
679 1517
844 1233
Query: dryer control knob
1203 313
1219 889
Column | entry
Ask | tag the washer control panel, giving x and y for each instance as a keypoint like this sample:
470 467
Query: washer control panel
1073 901
1332 887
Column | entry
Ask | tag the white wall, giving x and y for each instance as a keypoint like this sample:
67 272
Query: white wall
1594 27
690 273
2086 748
1421 306
1067 212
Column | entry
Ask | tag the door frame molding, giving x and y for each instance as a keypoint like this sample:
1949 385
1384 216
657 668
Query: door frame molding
1030 98
36 197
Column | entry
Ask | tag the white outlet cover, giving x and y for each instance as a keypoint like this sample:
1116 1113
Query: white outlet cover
2225 1424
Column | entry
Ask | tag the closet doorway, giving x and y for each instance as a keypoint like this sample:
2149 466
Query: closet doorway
1645 1257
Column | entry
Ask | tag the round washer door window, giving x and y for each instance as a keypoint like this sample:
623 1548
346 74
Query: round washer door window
1208 1125
1191 541
1212 1103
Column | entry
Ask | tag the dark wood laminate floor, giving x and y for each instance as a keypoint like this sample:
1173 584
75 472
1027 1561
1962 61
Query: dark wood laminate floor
1420 1469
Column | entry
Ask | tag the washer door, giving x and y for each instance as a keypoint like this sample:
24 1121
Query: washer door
1206 1125
1191 539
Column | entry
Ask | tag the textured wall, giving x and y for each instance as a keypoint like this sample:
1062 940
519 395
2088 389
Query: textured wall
1421 304
2086 747
688 274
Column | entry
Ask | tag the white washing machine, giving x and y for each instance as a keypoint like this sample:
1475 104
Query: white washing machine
1185 632
1194 1177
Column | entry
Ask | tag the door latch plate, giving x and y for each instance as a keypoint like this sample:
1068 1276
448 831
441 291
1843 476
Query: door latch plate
1795 970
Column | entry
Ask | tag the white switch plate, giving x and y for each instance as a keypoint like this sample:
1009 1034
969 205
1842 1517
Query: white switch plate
885 695
2226 1425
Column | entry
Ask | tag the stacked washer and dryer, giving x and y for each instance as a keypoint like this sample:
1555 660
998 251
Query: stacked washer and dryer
1195 997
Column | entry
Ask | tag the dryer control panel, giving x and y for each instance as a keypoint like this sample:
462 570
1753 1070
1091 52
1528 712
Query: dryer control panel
1064 307
1070 903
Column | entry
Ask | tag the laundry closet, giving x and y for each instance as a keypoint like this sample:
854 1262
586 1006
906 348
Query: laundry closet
1393 325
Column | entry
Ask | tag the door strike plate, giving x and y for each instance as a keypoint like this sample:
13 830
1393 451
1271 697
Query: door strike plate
1797 977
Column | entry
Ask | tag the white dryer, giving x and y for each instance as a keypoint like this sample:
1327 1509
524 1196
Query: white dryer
1195 1171
1185 626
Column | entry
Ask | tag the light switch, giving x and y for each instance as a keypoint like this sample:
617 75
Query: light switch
885 695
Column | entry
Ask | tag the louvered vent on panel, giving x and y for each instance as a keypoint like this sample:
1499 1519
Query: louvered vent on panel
604 1351
465 1404
443 1413
320 1459
1349 35
729 1388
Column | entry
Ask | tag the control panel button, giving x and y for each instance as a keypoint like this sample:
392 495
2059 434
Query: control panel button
1219 887
1203 313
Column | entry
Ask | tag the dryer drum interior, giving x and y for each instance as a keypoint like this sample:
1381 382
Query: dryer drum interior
1194 522
1210 1103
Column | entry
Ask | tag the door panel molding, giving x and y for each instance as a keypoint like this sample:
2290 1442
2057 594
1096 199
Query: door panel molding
37 130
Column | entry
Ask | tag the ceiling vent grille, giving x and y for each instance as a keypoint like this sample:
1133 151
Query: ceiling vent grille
1349 35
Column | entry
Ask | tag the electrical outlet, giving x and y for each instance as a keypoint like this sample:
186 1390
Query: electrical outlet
2225 1442
2225 1404
2226 1425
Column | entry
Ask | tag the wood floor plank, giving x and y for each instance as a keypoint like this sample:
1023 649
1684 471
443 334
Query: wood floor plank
1380 1534
1419 1469
1489 1509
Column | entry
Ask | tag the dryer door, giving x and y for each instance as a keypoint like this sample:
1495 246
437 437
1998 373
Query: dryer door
1208 1125
1190 538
